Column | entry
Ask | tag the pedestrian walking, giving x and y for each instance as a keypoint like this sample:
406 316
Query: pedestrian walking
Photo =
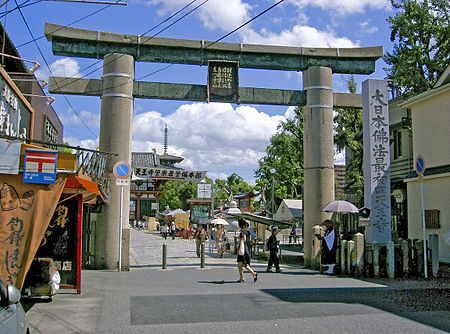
220 235
328 256
243 258
200 237
272 245
164 231
173 230
293 235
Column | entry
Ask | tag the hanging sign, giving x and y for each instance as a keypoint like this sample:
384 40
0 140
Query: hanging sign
40 166
15 111
153 173
223 81
9 156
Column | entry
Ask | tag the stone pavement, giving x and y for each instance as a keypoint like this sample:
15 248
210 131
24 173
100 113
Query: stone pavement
185 298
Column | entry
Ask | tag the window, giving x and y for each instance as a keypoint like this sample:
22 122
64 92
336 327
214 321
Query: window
398 152
432 219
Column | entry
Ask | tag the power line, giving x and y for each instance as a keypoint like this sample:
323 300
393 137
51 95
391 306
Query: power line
244 24
46 63
212 43
22 5
149 38
72 23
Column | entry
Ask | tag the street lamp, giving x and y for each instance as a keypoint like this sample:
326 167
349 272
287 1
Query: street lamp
273 170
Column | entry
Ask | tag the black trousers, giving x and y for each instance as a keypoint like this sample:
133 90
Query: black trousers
273 260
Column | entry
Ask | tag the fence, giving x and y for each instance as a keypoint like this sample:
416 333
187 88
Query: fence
402 259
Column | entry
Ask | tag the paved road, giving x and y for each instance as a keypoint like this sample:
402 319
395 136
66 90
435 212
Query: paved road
187 299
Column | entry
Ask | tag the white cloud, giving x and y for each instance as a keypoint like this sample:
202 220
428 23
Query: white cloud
213 135
85 143
365 28
339 158
343 7
299 35
225 15
89 118
65 67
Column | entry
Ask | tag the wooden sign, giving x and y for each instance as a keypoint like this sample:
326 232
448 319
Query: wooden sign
223 81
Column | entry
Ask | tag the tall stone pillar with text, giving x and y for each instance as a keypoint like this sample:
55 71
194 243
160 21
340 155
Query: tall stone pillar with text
318 152
115 136
377 161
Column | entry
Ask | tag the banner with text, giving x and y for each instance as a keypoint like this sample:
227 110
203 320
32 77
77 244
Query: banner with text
153 173
25 212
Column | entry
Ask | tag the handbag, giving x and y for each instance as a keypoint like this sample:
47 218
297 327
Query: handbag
241 249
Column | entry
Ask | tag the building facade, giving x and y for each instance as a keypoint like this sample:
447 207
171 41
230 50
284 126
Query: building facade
430 115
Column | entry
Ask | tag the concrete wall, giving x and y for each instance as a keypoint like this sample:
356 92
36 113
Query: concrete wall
431 124
436 196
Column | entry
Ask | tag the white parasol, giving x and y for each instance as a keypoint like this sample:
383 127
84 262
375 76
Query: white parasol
219 221
340 207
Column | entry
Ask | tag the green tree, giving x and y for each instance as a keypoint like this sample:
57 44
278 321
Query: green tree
349 137
66 149
224 190
285 155
420 31
176 194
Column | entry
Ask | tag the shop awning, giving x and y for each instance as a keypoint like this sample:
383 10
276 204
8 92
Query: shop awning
89 188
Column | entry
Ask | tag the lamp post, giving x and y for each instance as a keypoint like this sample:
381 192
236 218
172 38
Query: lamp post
273 170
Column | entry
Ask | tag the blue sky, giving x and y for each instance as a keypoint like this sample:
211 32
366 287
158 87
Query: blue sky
218 138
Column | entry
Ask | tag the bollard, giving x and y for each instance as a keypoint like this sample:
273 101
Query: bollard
405 257
418 244
350 256
359 253
316 248
202 255
376 259
434 248
344 257
164 256
390 259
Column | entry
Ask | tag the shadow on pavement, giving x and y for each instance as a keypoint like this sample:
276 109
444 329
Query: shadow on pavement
413 304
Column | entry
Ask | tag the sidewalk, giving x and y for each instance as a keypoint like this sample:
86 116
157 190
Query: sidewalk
185 298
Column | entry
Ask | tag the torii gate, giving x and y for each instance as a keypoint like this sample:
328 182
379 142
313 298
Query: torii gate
118 89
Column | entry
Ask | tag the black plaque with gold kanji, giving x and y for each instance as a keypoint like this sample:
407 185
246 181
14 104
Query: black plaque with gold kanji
223 81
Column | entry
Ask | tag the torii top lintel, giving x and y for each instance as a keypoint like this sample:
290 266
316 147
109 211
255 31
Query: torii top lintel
67 41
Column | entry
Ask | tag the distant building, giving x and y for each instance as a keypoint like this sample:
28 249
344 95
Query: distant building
290 210
145 191
339 172
45 124
244 201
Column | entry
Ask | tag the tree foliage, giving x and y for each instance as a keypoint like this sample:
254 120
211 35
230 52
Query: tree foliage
349 137
285 155
224 190
420 31
176 194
